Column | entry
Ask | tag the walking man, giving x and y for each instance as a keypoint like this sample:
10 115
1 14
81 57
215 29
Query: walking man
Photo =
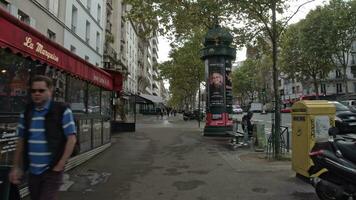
46 140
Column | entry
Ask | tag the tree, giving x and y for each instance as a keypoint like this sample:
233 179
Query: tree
305 51
185 72
341 33
182 18
261 15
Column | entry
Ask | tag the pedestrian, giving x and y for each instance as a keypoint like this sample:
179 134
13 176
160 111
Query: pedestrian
161 113
247 124
47 137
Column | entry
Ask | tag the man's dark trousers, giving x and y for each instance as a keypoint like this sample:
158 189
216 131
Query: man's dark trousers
45 186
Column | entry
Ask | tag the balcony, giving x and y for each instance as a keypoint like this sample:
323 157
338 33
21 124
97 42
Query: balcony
108 26
109 3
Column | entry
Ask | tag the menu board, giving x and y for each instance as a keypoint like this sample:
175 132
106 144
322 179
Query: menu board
8 140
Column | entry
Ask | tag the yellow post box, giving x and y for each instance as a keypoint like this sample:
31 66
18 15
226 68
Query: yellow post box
311 121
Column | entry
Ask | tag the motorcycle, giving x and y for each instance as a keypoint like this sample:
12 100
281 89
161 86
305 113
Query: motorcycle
334 171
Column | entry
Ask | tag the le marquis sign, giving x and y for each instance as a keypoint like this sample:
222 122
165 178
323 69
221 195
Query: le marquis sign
39 48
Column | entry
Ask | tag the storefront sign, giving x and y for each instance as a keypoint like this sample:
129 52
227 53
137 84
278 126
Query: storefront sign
28 42
39 48
100 80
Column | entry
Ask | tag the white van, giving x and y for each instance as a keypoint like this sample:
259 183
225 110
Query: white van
256 107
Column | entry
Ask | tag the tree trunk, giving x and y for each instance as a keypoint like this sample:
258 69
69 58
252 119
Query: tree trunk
277 114
345 82
316 87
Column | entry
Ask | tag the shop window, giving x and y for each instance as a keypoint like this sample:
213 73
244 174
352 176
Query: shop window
76 92
59 83
94 99
14 81
106 103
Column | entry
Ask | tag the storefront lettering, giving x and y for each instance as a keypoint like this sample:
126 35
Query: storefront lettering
100 80
40 49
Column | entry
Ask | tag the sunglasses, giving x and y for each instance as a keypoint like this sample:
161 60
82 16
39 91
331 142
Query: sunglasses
37 90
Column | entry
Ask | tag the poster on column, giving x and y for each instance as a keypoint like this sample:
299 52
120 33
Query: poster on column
216 84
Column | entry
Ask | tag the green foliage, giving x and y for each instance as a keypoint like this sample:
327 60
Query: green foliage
306 53
252 79
185 71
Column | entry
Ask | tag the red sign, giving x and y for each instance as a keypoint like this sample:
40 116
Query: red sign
20 37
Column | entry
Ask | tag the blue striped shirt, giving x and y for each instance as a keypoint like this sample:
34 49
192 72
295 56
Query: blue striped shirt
38 152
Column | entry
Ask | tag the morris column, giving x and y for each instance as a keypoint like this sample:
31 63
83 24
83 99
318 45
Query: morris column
218 55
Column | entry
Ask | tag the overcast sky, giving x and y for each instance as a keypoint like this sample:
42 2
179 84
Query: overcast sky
164 48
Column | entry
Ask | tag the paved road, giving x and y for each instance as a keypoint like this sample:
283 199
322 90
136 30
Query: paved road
170 160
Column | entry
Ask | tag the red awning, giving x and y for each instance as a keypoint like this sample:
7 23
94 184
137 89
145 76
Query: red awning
117 79
21 38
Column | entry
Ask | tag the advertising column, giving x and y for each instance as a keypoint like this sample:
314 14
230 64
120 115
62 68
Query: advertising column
218 55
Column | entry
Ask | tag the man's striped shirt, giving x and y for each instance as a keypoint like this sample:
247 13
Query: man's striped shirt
39 155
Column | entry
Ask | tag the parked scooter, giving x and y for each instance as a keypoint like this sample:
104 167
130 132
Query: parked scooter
334 171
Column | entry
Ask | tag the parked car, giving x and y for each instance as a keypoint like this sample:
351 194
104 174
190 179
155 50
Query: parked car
286 110
236 109
350 103
345 119
190 115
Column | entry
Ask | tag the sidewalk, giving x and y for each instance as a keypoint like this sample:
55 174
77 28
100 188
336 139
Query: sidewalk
170 159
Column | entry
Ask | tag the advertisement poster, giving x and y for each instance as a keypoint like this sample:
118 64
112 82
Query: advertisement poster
216 82
322 125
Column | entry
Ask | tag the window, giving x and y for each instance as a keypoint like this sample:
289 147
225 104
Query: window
53 6
353 58
74 18
281 92
97 41
89 5
338 74
99 14
106 103
5 4
293 90
86 58
23 17
338 88
77 94
51 35
14 81
72 49
87 32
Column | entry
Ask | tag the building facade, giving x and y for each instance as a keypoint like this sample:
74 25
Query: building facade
332 87
46 16
85 33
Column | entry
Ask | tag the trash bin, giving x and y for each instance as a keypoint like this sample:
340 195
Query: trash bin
311 121
259 136
4 182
